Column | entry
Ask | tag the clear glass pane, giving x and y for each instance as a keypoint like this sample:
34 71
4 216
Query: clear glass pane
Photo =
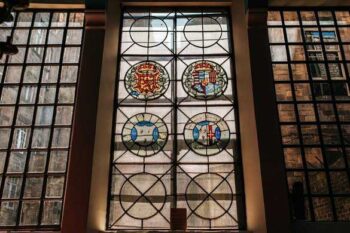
24 116
71 55
325 18
54 186
69 74
50 74
290 18
6 116
20 36
47 94
64 115
292 158
12 188
32 74
53 55
42 19
280 72
274 18
278 53
74 36
51 213
8 213
343 17
37 162
76 20
13 74
66 94
4 138
9 95
33 187
58 161
314 159
38 36
17 162
322 209
318 183
55 36
41 138
24 19
29 213
308 18
21 138
286 113
61 137
44 115
28 94
59 19
35 54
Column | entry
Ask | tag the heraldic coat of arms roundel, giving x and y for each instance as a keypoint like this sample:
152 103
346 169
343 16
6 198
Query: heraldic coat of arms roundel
147 80
204 80
207 134
145 134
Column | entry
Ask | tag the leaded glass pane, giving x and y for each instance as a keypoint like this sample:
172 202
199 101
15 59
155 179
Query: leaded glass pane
37 99
175 139
312 92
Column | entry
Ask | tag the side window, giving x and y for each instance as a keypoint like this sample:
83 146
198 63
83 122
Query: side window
37 100
313 99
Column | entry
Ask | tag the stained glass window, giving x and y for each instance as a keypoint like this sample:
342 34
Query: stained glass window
37 95
310 55
176 140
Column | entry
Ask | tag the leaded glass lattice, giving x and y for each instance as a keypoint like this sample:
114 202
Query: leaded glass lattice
175 141
37 99
310 61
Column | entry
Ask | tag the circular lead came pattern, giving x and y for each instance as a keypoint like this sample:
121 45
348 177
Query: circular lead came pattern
209 196
207 134
203 32
204 80
145 134
148 31
147 80
138 194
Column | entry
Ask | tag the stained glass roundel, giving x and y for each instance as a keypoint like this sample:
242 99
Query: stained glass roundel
145 134
147 186
207 134
204 80
147 80
148 31
203 32
212 192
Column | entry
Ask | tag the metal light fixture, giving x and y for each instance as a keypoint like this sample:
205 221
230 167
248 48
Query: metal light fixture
9 6
8 48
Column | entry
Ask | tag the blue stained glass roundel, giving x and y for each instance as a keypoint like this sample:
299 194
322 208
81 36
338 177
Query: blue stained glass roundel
207 134
145 134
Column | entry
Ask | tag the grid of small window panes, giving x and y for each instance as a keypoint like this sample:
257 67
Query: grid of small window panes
310 53
37 96
175 141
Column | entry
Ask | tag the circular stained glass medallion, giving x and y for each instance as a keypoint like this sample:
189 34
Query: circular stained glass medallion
144 134
147 80
150 187
208 188
204 80
207 134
